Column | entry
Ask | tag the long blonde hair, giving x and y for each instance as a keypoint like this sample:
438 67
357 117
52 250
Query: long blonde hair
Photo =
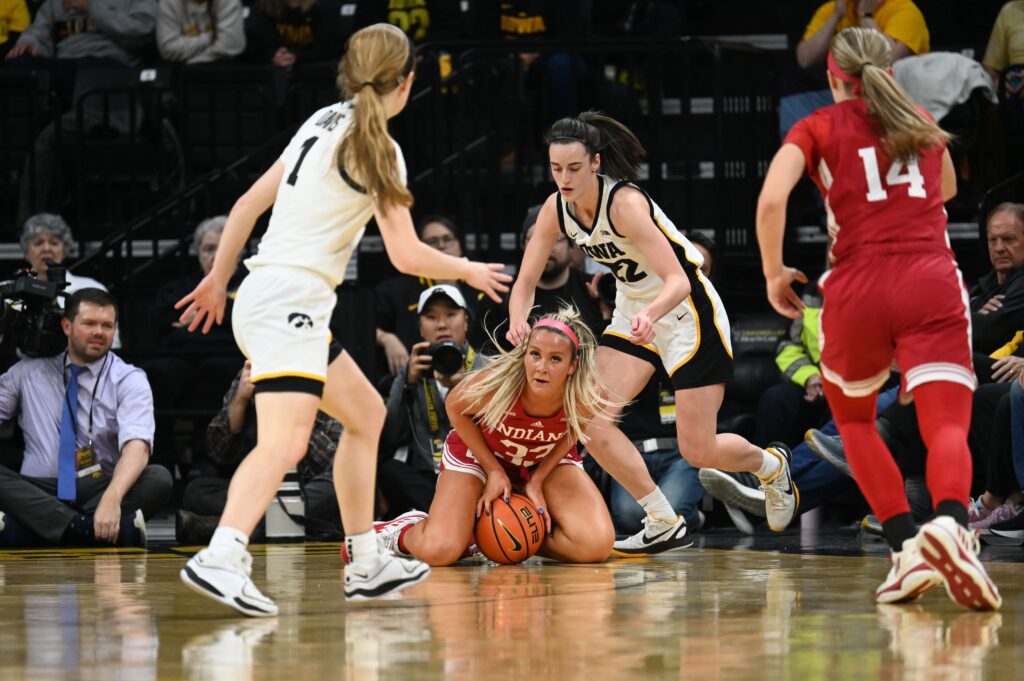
491 392
865 53
377 60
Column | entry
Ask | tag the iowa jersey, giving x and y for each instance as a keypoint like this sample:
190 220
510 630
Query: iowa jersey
320 213
636 278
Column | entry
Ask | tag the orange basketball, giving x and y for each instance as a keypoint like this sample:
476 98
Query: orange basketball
512 532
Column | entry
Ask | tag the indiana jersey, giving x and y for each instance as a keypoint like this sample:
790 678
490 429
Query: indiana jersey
600 240
869 198
519 439
320 213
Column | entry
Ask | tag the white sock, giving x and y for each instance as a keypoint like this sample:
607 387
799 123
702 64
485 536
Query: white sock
656 505
362 547
770 465
228 540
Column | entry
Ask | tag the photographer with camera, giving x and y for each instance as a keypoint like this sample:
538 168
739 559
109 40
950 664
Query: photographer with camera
88 423
417 423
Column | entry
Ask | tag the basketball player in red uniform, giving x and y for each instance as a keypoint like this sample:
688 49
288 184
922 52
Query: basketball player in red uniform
894 293
516 424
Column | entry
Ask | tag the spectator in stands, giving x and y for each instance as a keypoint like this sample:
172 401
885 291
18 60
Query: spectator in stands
708 249
787 409
229 437
1006 48
47 238
113 31
417 423
193 369
398 326
997 300
69 37
88 423
14 19
422 20
198 32
288 33
900 20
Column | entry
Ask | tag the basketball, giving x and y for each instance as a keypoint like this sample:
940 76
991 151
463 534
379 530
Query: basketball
512 532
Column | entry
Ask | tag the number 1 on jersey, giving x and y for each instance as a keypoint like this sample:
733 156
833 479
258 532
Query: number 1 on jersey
912 178
306 146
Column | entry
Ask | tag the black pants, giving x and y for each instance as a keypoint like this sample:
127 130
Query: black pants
405 488
33 502
783 415
1001 479
209 495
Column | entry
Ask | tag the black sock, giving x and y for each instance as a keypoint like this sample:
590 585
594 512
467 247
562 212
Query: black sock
79 531
898 529
954 509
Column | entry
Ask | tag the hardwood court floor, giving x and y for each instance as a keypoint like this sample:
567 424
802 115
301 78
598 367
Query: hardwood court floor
704 613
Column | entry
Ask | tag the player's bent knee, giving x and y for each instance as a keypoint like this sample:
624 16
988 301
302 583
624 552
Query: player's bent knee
440 551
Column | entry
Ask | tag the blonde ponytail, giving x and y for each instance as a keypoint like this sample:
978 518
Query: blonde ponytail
866 54
377 60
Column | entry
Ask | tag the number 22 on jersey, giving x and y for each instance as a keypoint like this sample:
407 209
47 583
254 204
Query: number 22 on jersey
896 175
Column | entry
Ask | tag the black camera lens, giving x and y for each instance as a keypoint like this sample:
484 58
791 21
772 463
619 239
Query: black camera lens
446 358
606 288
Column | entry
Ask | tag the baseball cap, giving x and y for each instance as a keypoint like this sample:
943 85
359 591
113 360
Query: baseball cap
441 290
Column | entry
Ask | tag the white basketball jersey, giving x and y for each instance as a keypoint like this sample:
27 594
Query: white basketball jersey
320 213
636 278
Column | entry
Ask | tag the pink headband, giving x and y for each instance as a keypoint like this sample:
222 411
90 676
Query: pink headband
834 69
561 327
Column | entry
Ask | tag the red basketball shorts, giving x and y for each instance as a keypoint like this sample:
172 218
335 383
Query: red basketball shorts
908 307
458 459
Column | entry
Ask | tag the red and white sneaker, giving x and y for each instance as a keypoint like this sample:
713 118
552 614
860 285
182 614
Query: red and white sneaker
388 533
909 577
953 551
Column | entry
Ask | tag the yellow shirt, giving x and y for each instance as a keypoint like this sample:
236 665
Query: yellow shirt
1006 44
899 19
13 17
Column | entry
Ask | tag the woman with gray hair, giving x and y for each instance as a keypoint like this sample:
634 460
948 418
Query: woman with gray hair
47 237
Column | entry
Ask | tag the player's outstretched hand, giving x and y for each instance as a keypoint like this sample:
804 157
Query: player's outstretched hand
497 487
642 329
781 294
205 305
489 278
518 332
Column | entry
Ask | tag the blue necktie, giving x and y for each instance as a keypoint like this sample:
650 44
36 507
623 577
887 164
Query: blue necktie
66 463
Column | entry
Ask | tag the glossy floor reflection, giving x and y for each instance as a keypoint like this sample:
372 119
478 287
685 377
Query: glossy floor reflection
707 613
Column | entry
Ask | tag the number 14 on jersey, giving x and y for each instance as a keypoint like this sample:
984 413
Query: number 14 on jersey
899 173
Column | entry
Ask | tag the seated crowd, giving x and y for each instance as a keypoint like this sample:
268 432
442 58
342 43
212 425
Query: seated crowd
108 444
108 477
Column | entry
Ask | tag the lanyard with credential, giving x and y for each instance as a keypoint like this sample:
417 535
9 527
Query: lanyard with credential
432 418
73 409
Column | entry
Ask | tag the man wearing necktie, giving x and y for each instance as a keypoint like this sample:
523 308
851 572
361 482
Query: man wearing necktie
88 422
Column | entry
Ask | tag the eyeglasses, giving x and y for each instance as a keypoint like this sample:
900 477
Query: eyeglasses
440 241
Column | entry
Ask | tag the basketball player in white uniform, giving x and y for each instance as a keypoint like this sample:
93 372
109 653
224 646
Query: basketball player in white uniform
666 312
339 170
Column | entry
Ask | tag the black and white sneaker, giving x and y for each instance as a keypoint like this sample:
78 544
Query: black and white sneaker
657 536
224 577
388 574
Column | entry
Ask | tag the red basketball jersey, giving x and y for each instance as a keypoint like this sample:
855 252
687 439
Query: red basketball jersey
871 200
519 439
